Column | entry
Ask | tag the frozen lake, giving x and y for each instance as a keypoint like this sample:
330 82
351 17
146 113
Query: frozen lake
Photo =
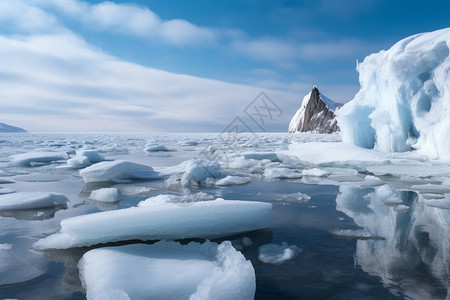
367 225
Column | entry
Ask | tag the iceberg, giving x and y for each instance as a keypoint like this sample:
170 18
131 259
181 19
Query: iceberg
404 100
28 158
118 169
167 270
31 200
205 219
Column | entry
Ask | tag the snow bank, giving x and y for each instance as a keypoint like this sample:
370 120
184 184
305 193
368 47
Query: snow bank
197 170
233 180
277 254
24 159
118 169
105 195
167 270
206 219
31 200
404 100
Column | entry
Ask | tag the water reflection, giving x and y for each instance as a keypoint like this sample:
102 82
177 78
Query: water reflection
414 257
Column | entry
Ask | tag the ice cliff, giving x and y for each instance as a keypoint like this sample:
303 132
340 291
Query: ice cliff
315 115
404 100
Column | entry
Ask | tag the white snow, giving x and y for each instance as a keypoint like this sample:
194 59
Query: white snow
277 254
37 157
233 180
205 219
315 172
118 169
281 173
31 200
167 270
403 103
105 195
197 170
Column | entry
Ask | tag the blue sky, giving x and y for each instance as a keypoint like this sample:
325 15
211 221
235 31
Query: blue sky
72 65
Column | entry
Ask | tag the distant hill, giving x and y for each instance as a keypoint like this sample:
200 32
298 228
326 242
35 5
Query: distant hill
8 128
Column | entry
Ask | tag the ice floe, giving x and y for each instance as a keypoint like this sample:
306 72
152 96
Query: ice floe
105 195
198 170
37 157
277 254
233 180
205 219
315 172
118 169
167 270
31 200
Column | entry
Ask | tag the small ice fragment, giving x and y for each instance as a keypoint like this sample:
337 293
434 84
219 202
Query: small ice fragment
277 254
233 180
315 172
246 241
401 208
105 195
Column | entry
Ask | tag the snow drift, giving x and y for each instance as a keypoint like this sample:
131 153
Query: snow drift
404 100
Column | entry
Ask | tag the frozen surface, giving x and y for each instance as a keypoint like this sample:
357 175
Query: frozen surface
277 254
118 169
231 180
31 200
37 157
404 100
167 270
207 219
105 195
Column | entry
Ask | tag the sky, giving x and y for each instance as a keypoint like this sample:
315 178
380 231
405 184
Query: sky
189 66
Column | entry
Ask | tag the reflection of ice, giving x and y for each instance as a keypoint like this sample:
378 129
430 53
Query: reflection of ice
414 257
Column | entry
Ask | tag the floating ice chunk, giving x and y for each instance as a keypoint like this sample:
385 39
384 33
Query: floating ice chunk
359 234
233 180
118 169
78 162
190 143
370 181
167 270
277 254
431 188
401 208
37 157
31 200
295 197
197 170
12 270
281 173
315 172
127 190
92 155
156 148
105 195
262 155
206 219
4 191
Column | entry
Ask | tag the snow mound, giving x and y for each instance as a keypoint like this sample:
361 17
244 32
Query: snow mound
105 195
167 270
233 180
404 100
197 170
206 219
28 158
277 254
31 200
118 169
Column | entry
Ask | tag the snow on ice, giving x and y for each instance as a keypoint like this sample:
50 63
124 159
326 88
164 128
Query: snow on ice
168 270
206 219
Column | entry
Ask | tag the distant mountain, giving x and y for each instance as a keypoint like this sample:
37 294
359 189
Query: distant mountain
8 128
315 115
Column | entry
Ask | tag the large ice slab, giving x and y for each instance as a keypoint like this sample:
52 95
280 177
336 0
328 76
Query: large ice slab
31 200
118 169
37 157
403 103
206 219
167 270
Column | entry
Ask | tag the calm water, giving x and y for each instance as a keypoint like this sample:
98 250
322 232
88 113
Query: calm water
410 261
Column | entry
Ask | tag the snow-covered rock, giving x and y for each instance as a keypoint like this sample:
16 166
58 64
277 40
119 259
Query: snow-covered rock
24 159
118 169
277 254
8 128
316 114
105 195
167 270
233 180
31 200
205 219
404 100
